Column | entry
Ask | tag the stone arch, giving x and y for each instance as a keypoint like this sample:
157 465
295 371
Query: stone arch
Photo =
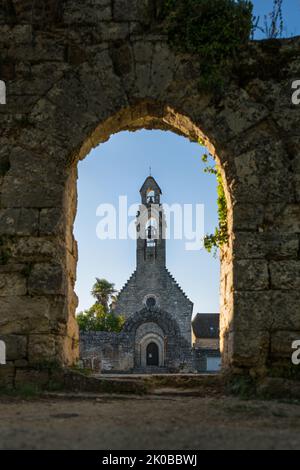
162 326
145 334
120 74
162 319
146 342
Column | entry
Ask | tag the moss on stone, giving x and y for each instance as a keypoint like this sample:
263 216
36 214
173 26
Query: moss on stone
214 30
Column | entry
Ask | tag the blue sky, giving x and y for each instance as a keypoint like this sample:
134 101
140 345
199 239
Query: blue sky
119 167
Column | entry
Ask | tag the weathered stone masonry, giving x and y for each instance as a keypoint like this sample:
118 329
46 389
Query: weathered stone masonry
78 71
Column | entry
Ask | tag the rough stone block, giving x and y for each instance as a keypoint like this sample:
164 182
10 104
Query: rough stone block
248 348
7 376
41 349
37 249
42 188
12 284
250 275
251 310
52 222
285 308
289 219
30 377
247 216
16 347
133 10
285 274
46 279
281 343
87 12
24 314
19 221
265 245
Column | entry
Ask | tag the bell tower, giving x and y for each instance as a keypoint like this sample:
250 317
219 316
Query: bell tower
151 227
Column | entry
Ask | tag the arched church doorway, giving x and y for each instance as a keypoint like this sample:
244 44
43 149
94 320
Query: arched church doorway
152 358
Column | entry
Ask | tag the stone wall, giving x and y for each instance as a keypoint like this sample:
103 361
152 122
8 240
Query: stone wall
156 280
107 352
93 68
120 353
126 351
199 359
209 343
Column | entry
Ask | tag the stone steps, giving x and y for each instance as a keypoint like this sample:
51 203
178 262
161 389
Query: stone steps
173 382
79 386
149 370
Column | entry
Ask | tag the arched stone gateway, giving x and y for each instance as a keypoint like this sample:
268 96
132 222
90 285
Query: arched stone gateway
159 326
95 68
147 334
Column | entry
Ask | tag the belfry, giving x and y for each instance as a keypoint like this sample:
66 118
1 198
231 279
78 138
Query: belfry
153 303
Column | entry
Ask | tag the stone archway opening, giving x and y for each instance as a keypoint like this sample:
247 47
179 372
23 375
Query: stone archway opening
154 116
152 354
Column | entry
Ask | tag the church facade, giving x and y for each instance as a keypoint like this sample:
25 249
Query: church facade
157 335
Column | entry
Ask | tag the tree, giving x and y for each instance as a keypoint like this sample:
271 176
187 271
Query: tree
101 316
103 291
98 319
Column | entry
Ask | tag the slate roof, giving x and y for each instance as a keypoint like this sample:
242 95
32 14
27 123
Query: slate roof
206 325
150 182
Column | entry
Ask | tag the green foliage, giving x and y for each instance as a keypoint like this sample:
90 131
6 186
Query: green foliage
25 391
242 386
103 291
215 30
220 237
97 318
5 250
101 317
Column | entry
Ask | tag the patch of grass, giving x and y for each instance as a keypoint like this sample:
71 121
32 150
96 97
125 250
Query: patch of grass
242 386
82 370
24 392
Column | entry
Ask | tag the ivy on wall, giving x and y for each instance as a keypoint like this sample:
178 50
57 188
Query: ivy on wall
215 30
220 237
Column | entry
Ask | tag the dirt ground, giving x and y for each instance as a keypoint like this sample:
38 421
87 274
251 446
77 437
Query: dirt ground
148 423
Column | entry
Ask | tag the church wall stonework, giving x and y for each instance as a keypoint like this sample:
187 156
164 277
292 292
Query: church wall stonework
170 297
107 352
75 73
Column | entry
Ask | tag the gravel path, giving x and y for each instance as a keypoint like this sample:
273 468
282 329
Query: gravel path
148 423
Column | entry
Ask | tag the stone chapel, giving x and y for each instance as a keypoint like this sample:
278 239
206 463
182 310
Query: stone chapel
154 305
157 335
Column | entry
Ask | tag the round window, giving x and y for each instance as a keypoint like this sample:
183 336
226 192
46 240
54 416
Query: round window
151 302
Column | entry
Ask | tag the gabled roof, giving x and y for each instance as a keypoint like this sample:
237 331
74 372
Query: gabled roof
150 183
206 325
